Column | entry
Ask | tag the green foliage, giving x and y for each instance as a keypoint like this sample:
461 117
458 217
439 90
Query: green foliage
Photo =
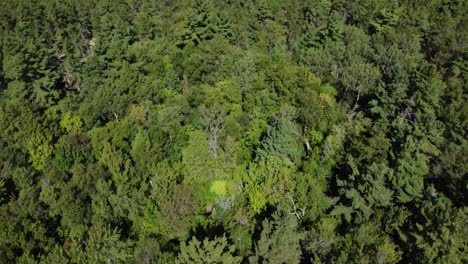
72 150
279 241
229 131
283 140
196 158
437 232
219 187
268 181
207 251
203 24
102 245
178 210
39 149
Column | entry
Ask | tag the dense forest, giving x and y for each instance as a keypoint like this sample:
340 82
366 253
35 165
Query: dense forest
233 131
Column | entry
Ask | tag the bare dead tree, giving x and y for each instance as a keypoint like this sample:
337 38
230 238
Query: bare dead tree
214 125
308 149
355 107
185 84
407 114
356 104
298 213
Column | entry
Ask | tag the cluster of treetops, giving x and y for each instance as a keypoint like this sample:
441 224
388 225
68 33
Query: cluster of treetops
233 131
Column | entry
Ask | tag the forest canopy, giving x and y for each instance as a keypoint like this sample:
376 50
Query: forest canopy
233 131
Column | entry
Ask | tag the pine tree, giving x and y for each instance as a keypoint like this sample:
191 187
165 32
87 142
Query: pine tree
208 251
203 24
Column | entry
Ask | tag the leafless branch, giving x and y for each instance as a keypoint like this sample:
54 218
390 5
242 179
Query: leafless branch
298 213
213 123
